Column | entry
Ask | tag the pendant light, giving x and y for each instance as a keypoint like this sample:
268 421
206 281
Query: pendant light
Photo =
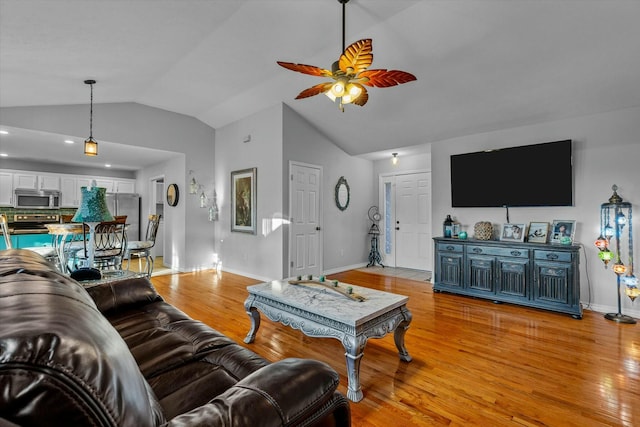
90 144
349 73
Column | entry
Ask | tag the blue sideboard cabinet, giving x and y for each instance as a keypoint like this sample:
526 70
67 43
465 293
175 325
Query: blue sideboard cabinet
531 274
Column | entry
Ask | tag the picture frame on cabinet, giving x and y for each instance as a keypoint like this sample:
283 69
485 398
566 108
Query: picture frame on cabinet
538 232
513 232
244 200
563 231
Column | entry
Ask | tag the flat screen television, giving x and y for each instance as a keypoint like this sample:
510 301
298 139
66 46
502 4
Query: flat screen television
529 175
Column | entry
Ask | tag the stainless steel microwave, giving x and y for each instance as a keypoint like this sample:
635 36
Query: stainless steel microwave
37 199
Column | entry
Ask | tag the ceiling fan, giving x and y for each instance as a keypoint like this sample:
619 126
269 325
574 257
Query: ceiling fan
349 73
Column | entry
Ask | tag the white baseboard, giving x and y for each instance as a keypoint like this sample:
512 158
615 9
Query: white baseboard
609 309
345 268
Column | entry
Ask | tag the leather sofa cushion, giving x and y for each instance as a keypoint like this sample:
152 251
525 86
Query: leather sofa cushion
161 337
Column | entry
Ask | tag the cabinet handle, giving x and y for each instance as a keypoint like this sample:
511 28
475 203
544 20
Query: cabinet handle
552 256
516 253
450 248
477 250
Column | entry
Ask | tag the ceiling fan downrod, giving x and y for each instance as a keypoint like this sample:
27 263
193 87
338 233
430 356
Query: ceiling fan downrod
344 8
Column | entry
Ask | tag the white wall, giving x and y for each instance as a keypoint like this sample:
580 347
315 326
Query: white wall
407 163
606 152
142 126
345 232
258 256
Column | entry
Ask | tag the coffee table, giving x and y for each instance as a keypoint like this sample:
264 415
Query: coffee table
319 311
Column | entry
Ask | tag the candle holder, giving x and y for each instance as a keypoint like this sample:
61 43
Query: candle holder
614 217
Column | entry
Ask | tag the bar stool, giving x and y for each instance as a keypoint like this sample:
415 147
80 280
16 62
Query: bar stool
142 248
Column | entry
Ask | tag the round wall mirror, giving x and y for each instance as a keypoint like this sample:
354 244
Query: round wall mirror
173 194
342 194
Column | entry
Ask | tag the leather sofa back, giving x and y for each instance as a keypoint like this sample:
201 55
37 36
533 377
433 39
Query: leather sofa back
61 362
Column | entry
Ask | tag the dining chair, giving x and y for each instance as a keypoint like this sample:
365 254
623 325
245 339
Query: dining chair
5 231
110 245
142 248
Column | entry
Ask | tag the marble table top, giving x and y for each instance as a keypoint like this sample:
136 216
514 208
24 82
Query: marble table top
328 303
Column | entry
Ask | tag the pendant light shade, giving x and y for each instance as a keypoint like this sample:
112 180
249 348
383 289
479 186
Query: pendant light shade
90 147
90 144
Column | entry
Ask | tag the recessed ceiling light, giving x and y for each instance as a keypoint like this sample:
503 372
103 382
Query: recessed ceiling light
4 132
68 141
107 165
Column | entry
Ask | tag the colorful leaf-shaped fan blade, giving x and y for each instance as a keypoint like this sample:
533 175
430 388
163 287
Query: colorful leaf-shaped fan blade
314 90
306 69
385 78
357 57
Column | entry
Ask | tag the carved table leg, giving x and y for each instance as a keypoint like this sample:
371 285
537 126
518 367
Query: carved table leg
254 315
398 334
355 351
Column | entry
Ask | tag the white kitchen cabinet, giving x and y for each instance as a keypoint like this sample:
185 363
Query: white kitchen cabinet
36 182
6 189
71 193
105 183
124 186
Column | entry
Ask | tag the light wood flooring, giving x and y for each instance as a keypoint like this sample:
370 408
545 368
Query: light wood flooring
159 268
474 362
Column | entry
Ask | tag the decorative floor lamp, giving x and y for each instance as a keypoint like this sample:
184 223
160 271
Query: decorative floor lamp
614 216
92 211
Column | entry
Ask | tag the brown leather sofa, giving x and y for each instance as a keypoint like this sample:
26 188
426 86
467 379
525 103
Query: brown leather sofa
118 355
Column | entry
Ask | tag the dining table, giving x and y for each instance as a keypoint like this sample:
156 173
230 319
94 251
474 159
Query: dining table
67 239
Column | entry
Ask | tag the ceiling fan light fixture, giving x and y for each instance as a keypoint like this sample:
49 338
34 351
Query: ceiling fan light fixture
338 87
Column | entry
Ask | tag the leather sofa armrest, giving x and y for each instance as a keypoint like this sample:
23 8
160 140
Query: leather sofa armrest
116 295
285 393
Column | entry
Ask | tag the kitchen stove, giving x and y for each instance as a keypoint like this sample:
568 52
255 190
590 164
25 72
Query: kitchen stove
32 223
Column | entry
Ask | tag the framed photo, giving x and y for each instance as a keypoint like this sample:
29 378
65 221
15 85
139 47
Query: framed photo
538 232
563 231
513 232
243 200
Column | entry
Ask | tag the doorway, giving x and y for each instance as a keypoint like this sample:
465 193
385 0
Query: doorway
156 207
305 212
405 201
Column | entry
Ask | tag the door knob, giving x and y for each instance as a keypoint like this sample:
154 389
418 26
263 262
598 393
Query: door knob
317 228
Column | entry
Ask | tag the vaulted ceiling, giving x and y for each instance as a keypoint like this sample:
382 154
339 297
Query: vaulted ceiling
480 65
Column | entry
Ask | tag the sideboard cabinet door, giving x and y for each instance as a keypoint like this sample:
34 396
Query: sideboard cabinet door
449 270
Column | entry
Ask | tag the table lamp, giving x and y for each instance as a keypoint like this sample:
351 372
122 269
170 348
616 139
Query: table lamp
92 211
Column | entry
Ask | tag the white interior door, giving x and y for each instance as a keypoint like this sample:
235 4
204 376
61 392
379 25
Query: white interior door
407 220
305 246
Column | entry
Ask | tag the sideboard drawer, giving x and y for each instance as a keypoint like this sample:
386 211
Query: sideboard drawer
450 247
496 251
552 256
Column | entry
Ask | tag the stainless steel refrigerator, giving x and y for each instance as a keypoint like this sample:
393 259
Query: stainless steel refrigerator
126 204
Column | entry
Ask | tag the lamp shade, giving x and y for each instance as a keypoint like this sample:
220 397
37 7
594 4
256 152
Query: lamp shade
93 207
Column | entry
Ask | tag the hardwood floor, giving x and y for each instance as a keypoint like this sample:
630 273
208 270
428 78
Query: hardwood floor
474 362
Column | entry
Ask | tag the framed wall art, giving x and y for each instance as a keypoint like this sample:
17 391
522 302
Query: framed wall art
538 232
513 232
563 231
243 200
